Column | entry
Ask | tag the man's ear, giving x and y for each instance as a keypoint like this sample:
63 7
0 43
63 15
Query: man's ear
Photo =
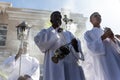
90 20
51 21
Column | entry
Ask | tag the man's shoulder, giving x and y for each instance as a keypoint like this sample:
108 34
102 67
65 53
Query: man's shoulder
67 31
46 29
43 30
88 32
9 59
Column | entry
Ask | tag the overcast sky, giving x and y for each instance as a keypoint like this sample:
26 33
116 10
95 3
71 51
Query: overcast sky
109 9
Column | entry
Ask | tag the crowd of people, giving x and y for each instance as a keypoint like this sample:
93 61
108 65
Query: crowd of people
63 52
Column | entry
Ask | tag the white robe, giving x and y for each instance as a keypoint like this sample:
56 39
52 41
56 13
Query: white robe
103 56
29 66
48 40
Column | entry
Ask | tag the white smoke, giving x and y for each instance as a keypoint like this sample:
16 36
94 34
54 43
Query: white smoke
70 4
109 10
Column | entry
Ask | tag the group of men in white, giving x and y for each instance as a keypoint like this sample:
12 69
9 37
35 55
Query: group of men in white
63 52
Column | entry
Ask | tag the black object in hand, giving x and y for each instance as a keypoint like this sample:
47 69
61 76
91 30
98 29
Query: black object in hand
21 78
60 53
74 43
25 77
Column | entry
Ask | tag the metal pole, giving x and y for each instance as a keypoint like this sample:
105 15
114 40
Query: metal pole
21 46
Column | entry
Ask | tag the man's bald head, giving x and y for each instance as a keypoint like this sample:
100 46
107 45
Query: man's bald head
55 19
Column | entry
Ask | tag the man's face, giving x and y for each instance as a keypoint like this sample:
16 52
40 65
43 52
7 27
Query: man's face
56 20
95 20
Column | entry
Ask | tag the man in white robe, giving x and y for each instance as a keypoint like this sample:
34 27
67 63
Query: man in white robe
29 69
48 40
103 56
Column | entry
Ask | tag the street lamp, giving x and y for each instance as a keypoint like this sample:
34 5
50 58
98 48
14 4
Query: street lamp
23 30
65 19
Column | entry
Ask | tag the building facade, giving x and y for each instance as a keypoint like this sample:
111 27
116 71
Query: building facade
10 17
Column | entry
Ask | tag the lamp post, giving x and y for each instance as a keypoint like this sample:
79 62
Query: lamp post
23 30
65 19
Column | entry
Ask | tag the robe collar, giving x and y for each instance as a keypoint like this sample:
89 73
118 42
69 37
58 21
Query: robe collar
96 28
51 28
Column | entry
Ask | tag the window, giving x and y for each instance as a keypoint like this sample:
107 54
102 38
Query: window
3 35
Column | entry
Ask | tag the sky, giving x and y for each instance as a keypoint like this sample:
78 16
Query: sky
109 9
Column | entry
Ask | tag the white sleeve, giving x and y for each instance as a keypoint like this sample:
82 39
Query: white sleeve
9 64
35 71
45 39
80 50
72 36
78 55
94 46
